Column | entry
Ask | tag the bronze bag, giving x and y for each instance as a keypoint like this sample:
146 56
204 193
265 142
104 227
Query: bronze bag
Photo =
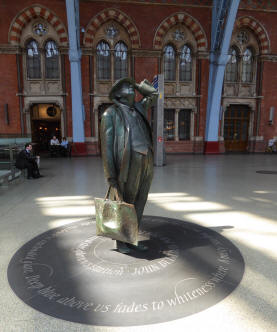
116 219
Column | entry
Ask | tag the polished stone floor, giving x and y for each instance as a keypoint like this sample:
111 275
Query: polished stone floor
223 193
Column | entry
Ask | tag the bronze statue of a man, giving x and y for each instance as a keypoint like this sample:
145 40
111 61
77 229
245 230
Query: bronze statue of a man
127 146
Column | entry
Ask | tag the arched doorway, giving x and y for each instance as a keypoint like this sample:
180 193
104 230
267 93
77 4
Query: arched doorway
45 123
236 128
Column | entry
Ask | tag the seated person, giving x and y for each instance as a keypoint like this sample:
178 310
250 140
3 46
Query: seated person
54 146
64 146
25 159
272 145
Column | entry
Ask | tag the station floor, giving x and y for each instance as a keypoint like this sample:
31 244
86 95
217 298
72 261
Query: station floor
223 193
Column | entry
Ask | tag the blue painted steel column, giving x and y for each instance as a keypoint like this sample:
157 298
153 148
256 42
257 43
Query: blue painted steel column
215 40
72 9
218 60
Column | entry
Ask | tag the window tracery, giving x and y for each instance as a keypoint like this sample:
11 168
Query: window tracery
247 66
33 60
103 61
178 66
169 63
185 64
120 60
51 60
42 56
242 64
232 66
112 45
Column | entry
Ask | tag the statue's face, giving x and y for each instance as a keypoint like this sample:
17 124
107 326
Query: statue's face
126 94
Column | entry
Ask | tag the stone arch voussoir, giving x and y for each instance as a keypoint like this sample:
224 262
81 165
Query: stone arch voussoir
190 22
33 12
116 15
258 29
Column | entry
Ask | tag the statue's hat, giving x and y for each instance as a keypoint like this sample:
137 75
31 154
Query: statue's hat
116 86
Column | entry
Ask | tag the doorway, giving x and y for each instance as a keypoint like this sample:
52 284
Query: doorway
236 128
45 123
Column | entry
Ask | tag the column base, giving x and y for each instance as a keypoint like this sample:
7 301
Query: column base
79 149
211 148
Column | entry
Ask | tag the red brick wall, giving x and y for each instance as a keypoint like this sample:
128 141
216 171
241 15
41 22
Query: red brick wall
139 14
10 9
269 92
204 95
8 90
147 19
145 68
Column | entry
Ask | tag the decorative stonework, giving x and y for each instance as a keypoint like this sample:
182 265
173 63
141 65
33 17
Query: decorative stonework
258 29
242 37
40 28
258 4
179 103
178 35
107 15
111 32
191 23
31 13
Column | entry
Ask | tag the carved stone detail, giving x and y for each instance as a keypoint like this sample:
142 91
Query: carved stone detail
35 87
186 89
103 88
169 89
52 87
180 103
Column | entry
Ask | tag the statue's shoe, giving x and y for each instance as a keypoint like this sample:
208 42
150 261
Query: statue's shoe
122 247
139 247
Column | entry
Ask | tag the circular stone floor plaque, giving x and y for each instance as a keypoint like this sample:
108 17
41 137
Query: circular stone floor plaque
72 274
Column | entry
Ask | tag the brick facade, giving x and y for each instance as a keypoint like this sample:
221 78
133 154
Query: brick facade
144 25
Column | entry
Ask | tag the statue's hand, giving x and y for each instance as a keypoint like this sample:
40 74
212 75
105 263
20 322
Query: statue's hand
114 184
145 88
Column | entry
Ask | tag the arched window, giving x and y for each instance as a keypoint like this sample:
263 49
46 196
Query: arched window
247 66
169 63
33 60
231 74
103 61
185 64
51 60
120 61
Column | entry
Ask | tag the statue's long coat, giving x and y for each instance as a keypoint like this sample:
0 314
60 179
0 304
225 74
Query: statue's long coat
115 142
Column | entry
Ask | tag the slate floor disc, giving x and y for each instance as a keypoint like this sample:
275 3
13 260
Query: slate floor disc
266 172
72 274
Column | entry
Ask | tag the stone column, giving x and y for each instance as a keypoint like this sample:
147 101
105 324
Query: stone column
72 9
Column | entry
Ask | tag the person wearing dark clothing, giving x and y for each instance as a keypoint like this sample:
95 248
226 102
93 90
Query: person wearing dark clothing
26 160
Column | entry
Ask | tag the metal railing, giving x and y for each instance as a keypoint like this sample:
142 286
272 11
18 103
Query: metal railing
8 154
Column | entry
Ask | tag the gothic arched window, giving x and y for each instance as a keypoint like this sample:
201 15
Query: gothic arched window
169 63
103 61
33 60
185 64
247 66
120 60
51 60
231 74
